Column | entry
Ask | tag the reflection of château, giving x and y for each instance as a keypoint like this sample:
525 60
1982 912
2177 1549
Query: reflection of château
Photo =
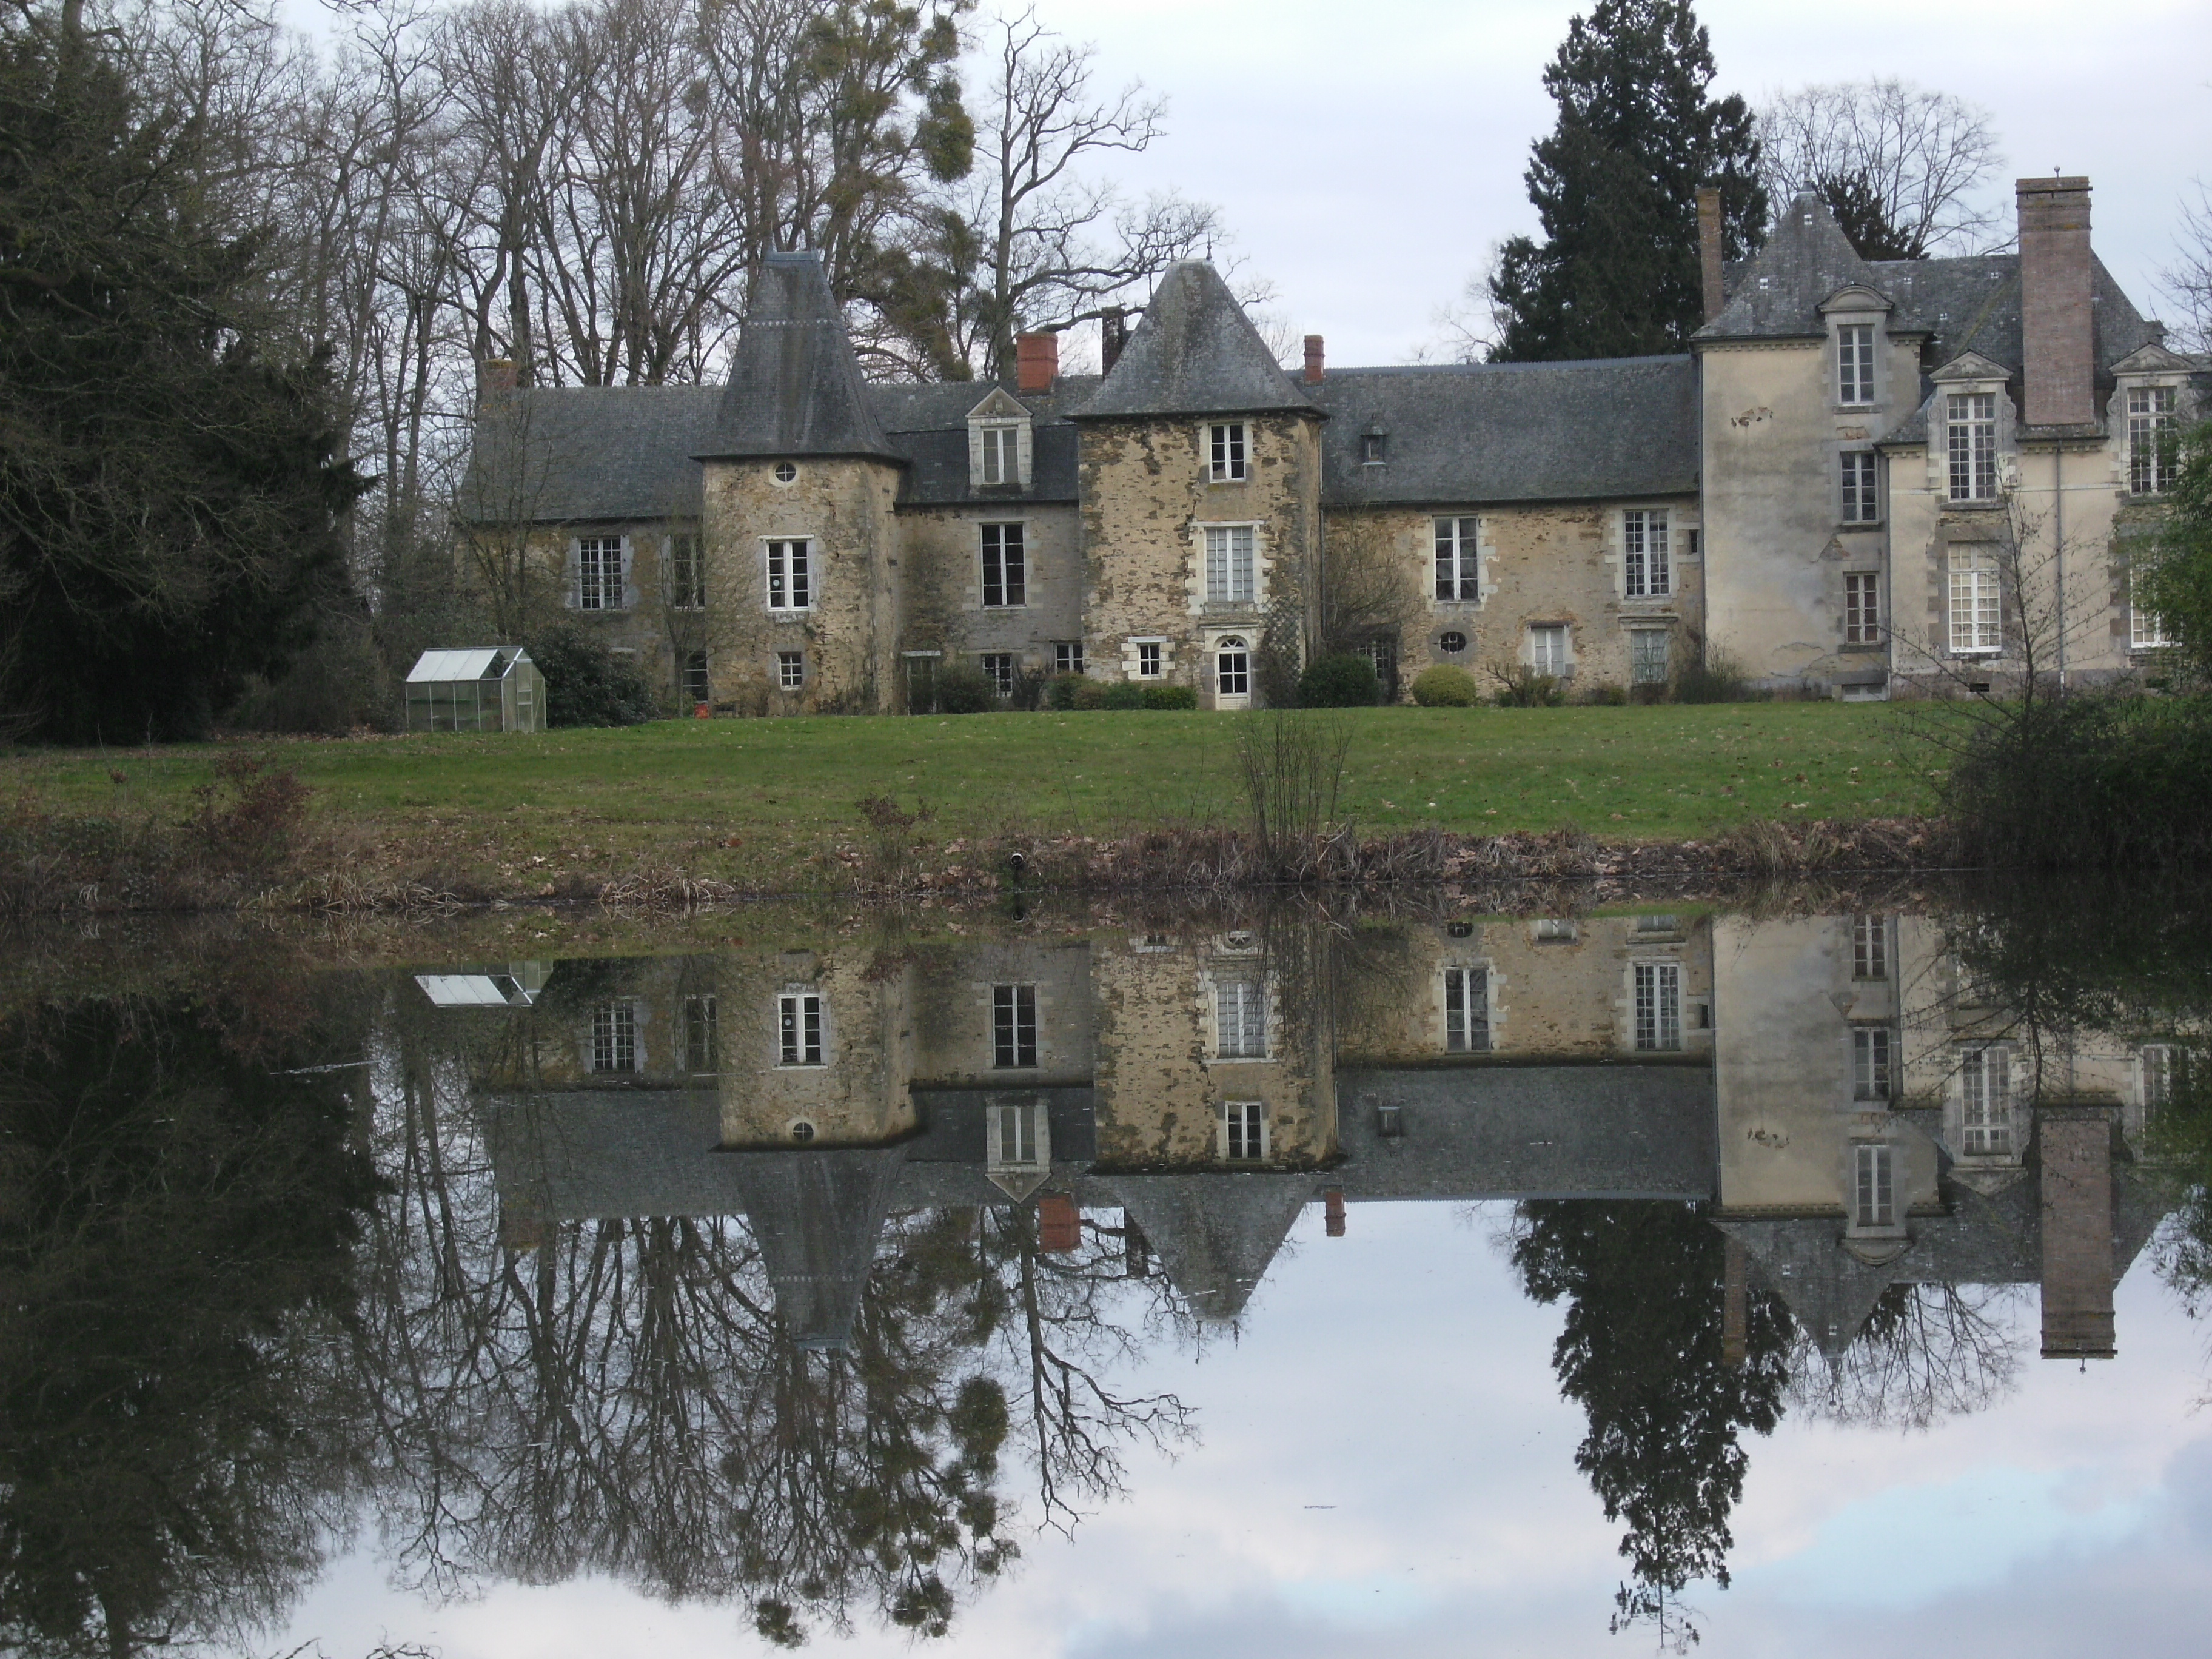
1834 1087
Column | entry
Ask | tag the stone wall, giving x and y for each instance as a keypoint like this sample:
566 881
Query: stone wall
940 557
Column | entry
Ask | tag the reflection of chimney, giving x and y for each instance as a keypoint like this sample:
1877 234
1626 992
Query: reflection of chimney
2075 1146
1736 1303
1060 1226
1112 335
1331 1209
495 374
1709 250
2056 322
1313 360
1036 362
521 1228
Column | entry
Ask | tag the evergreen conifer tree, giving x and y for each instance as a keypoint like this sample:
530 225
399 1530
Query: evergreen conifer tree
1615 186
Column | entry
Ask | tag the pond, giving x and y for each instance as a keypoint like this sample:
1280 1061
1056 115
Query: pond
1814 1274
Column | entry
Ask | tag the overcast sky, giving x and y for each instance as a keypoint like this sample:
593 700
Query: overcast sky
1368 154
1386 1472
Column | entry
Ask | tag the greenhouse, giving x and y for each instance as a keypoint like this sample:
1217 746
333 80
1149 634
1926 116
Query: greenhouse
485 689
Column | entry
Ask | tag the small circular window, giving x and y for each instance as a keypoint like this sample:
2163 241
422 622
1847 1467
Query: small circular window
785 471
1453 643
1460 929
801 1130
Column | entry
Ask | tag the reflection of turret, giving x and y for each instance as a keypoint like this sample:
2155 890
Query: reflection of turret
1214 1235
816 1215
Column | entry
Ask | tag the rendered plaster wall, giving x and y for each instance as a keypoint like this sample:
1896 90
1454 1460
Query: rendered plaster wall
1159 1083
952 1014
1776 552
1145 494
941 561
859 1096
1556 993
850 634
1540 566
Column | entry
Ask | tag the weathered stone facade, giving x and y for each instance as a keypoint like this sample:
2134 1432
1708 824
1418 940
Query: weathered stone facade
1866 476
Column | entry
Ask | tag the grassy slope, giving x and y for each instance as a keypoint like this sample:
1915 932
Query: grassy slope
585 799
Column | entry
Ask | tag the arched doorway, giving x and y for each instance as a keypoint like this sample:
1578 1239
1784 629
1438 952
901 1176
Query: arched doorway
1232 672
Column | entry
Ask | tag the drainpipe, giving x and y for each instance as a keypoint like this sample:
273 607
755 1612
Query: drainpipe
2058 545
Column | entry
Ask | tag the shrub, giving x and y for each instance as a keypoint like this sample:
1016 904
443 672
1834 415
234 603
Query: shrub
1606 694
1090 694
586 684
1170 697
1124 694
963 689
1713 677
1062 691
1340 680
1519 686
1443 686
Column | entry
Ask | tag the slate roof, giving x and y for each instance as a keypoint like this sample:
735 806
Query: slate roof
795 386
816 1215
1195 352
565 454
1512 432
928 425
1216 1234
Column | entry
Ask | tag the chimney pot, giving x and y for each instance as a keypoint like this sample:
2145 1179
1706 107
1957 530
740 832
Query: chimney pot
1036 362
2057 317
1313 360
1709 250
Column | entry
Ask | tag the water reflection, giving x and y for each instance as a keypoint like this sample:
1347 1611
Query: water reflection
802 1275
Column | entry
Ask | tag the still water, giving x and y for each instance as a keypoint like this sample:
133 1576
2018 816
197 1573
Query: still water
1811 1279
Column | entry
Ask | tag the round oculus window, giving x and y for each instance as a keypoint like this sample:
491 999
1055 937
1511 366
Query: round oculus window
802 1130
1452 643
1460 929
785 471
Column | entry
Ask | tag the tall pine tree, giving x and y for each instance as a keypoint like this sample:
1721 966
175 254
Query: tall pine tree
1616 187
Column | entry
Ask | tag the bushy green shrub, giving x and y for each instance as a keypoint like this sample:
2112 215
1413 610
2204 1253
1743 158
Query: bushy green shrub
962 689
1714 677
1061 691
1340 680
1606 694
1124 694
1090 694
1443 686
586 684
1170 697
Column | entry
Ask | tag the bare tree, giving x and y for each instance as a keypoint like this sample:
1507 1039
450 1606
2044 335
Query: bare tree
1900 164
2188 281
1926 1353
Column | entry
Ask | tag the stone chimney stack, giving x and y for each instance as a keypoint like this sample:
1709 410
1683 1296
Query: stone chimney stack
495 374
1736 1303
1709 250
1112 335
2057 323
2076 1145
1036 362
1314 360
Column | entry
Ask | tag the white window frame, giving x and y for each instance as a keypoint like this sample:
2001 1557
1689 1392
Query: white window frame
1457 539
999 457
591 591
1550 662
1003 564
802 1029
1656 1006
1640 652
687 572
1975 587
2153 412
1874 1185
788 573
702 1041
616 1049
1228 452
1463 992
1152 659
1242 1131
2154 1070
1067 656
1238 1012
1874 1063
1014 1027
1855 361
1985 1100
1019 1133
703 691
1861 607
1232 662
1232 550
1969 445
2146 629
1001 669
1647 563
1859 485
791 671
1870 948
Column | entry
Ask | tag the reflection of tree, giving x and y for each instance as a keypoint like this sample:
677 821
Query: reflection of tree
1926 1352
175 1229
1642 1351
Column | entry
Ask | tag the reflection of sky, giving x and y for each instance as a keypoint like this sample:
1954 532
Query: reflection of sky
1386 1469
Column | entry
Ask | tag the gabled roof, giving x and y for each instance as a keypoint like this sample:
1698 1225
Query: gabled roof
795 386
1512 432
1215 1234
1194 353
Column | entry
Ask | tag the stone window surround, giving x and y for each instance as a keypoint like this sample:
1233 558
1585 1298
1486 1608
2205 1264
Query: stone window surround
1493 989
639 1017
1263 564
1937 412
1854 306
1566 627
1685 546
1239 447
1221 1131
626 564
792 989
1001 412
1246 970
1209 648
1973 548
1129 662
995 1158
1696 1008
1486 554
1029 563
2116 419
1884 1157
1855 447
672 568
792 612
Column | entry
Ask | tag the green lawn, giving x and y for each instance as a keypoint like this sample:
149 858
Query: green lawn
687 789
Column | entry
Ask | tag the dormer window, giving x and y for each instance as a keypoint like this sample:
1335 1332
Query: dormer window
1969 421
1372 446
1855 365
999 443
1226 453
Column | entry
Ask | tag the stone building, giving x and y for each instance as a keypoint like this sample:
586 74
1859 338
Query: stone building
1864 476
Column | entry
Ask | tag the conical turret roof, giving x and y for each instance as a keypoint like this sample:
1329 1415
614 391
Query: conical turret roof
1806 260
795 386
816 1215
1215 1234
1194 353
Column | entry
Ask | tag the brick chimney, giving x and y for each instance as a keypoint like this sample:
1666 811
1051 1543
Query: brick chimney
1112 335
2057 325
1709 250
1036 362
1059 1224
495 374
1313 360
2075 1146
1332 1200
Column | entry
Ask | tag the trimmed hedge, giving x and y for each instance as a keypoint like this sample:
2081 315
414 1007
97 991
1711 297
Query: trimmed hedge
1443 686
1340 680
